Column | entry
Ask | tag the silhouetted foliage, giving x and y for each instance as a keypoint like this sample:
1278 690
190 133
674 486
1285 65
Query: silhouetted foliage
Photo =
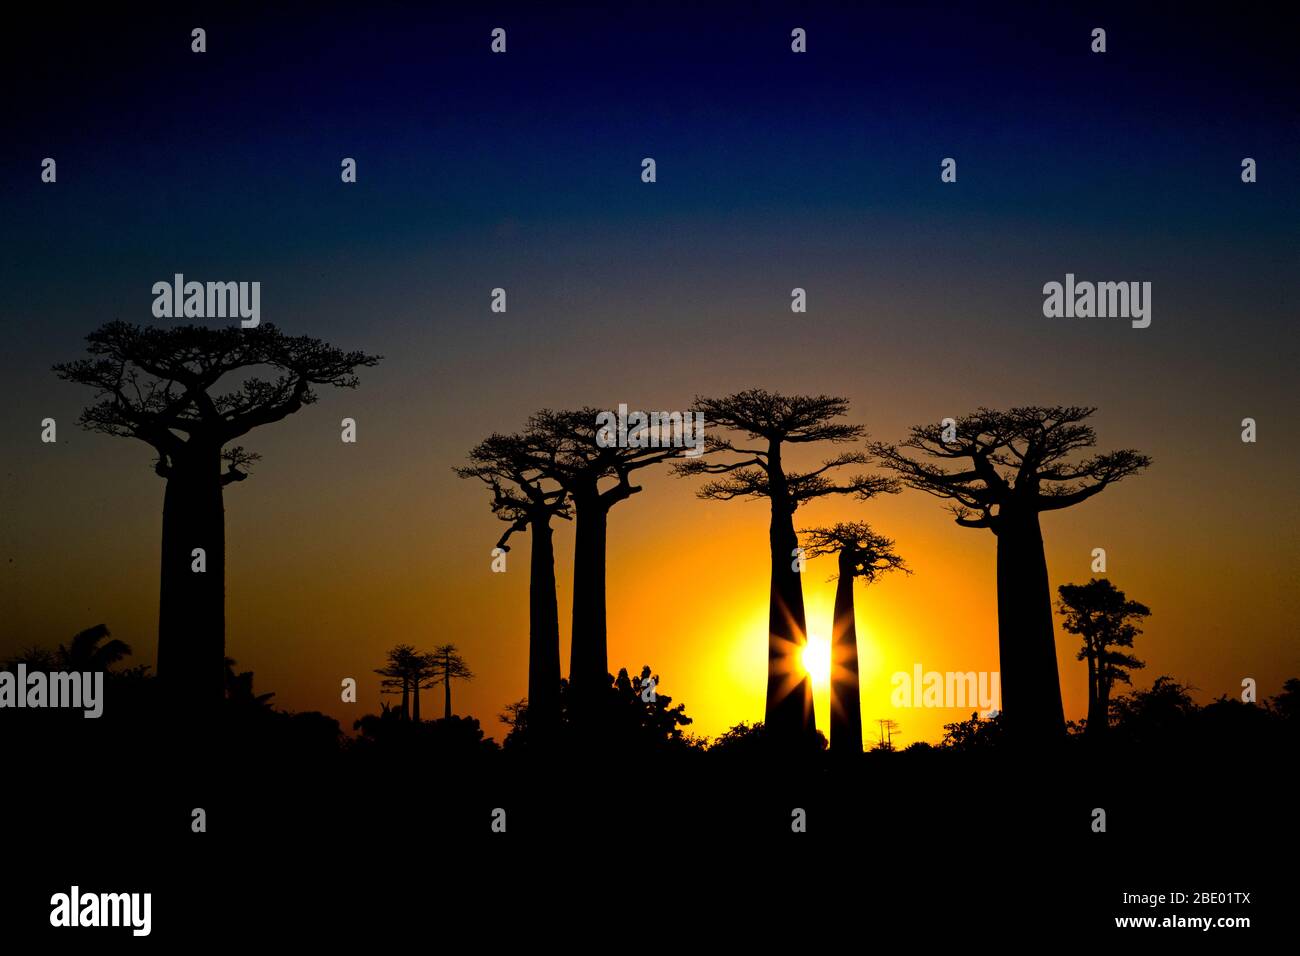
239 690
976 734
625 719
1162 712
88 652
515 716
754 743
1103 616
1287 703
387 736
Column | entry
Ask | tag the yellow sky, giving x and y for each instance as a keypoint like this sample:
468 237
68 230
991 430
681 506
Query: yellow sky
329 568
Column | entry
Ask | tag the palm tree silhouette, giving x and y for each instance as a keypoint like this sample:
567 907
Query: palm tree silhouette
85 652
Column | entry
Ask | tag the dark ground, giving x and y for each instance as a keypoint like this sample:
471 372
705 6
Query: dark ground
978 848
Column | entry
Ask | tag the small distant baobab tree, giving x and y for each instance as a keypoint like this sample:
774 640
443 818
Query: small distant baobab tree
861 554
770 423
409 671
1015 465
596 478
1106 619
448 666
514 469
158 385
887 730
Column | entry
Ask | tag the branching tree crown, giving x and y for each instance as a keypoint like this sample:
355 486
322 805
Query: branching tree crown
448 665
862 552
1018 460
406 670
769 420
1105 618
154 384
564 446
515 468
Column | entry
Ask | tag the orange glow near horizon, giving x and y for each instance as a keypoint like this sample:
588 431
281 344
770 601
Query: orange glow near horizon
329 567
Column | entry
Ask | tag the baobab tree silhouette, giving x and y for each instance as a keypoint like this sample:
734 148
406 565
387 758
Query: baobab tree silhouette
514 468
153 384
860 553
1018 468
448 666
410 672
772 421
565 449
1106 619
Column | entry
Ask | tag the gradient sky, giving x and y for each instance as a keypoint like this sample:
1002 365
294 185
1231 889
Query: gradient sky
774 171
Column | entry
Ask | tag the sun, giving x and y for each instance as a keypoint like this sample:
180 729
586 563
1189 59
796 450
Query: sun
816 660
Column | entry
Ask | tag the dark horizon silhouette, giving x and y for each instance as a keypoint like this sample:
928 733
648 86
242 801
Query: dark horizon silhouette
1020 466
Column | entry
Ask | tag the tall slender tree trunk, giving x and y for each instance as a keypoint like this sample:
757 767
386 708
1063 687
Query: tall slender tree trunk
1031 686
588 661
1102 715
192 604
415 700
543 631
406 698
846 695
446 686
789 710
1096 713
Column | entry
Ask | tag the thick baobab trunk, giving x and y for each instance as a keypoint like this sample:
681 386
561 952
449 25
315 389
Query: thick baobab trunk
1031 686
192 604
588 663
415 700
846 695
789 710
446 686
543 631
